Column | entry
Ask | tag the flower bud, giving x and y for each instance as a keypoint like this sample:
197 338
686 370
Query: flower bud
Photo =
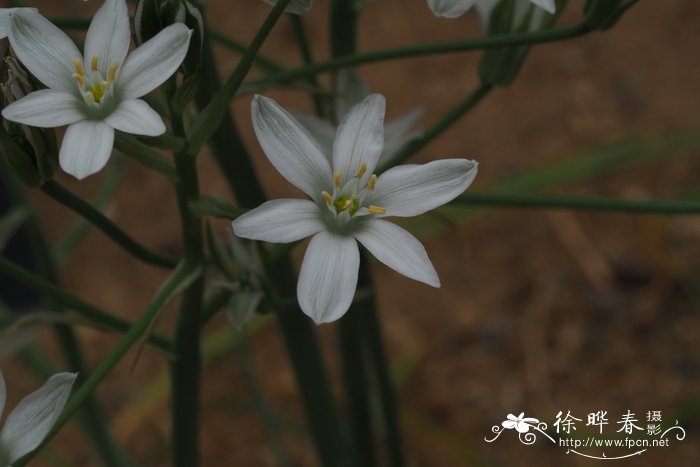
30 151
152 16
500 66
603 14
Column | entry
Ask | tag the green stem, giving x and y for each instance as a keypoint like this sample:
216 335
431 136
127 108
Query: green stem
374 339
181 274
231 43
109 228
186 365
443 124
581 203
66 300
418 50
307 57
210 118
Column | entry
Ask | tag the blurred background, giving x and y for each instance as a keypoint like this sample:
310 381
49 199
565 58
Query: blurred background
539 310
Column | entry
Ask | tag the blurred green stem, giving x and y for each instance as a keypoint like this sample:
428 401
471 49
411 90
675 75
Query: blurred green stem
438 128
182 274
88 212
92 417
417 50
186 365
209 119
305 50
580 203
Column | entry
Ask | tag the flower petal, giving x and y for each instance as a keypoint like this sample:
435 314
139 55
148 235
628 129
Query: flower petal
290 148
360 137
509 424
136 117
321 130
328 276
409 190
546 4
86 148
398 249
450 8
46 51
396 134
154 61
297 7
108 36
5 21
27 425
45 109
280 221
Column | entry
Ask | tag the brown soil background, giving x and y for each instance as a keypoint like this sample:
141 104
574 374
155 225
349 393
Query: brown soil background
539 311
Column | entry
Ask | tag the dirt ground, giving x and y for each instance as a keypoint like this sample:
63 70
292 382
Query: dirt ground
539 311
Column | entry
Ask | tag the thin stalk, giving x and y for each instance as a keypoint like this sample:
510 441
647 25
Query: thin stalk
438 128
307 57
211 116
71 302
181 274
186 365
231 43
374 339
105 225
418 50
580 203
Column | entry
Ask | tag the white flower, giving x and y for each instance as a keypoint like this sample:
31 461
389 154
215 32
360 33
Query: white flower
96 94
5 20
352 90
347 203
29 423
454 8
521 423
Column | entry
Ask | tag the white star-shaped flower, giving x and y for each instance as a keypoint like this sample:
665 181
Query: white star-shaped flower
455 8
348 203
29 423
97 93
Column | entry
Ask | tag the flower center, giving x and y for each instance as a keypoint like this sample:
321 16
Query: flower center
349 197
94 87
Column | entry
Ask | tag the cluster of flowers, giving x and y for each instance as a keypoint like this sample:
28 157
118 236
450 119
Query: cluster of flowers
98 92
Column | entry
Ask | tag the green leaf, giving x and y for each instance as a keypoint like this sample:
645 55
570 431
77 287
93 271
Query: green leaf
215 207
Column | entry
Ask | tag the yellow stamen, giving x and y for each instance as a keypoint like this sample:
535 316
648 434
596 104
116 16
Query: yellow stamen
93 62
337 181
361 171
112 72
79 79
327 196
371 182
89 96
347 204
79 67
376 209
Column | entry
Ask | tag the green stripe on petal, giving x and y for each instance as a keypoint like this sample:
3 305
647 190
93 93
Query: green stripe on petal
86 147
28 424
45 109
136 117
410 190
328 276
154 61
398 249
46 51
280 221
108 36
